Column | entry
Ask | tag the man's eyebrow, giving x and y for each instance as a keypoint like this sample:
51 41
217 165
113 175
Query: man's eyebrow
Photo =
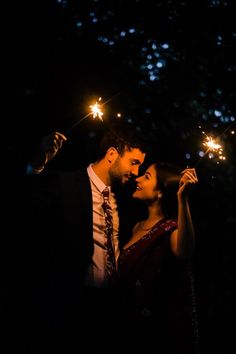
136 161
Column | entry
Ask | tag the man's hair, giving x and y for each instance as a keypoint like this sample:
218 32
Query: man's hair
122 136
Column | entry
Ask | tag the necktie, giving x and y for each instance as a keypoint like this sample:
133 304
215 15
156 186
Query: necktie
111 262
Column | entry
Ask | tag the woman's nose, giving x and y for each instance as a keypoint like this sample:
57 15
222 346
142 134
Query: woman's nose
138 179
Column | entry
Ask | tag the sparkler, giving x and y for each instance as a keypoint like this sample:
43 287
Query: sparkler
212 146
95 111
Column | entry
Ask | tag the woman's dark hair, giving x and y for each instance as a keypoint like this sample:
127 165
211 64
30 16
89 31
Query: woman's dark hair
168 177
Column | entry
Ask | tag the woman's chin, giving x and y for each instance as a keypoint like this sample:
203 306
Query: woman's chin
135 195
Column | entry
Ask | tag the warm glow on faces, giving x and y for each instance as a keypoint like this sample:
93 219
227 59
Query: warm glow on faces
146 188
127 165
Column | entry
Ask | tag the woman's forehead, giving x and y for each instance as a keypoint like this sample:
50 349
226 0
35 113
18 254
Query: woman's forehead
152 170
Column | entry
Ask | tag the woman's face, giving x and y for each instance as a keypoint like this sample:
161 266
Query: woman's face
146 188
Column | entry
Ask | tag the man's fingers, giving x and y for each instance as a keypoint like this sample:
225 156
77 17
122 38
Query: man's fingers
60 136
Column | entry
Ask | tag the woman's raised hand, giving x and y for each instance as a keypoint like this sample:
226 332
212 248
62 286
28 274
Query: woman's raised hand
187 181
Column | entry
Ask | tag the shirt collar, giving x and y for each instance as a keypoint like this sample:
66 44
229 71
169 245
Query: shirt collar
96 180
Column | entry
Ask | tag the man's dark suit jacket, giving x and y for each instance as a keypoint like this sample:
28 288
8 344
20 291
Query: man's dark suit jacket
51 245
59 227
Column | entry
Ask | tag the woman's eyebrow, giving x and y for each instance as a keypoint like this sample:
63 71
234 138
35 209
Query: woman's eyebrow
148 173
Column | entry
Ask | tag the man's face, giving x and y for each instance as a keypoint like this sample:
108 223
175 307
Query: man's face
127 165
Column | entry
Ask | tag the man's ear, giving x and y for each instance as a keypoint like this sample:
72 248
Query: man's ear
111 154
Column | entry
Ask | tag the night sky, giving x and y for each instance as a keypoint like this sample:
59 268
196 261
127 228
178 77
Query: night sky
169 68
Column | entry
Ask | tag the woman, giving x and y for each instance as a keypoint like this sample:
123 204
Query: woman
155 289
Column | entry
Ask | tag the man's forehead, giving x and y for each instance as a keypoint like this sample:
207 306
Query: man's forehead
136 154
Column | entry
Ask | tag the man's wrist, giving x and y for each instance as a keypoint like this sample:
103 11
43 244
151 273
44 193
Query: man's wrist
31 170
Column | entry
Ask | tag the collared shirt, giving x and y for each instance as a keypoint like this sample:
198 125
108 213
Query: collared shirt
96 274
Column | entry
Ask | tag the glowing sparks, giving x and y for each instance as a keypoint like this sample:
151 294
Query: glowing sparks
213 146
210 143
96 110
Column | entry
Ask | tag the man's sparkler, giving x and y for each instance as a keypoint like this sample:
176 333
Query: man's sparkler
95 112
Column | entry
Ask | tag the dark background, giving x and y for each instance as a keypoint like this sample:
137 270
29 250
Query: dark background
168 67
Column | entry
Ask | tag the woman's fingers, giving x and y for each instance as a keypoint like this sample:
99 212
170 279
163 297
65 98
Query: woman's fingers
189 177
189 173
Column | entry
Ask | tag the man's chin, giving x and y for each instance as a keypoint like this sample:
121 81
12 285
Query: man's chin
121 180
126 179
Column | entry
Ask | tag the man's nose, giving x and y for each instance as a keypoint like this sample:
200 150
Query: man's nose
134 170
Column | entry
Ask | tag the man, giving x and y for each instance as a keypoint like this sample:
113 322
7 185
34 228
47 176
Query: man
68 241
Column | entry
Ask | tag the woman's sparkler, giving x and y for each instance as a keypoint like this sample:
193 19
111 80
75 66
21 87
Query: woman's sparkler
213 146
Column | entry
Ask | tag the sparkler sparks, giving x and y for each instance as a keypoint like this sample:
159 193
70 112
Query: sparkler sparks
95 111
212 147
